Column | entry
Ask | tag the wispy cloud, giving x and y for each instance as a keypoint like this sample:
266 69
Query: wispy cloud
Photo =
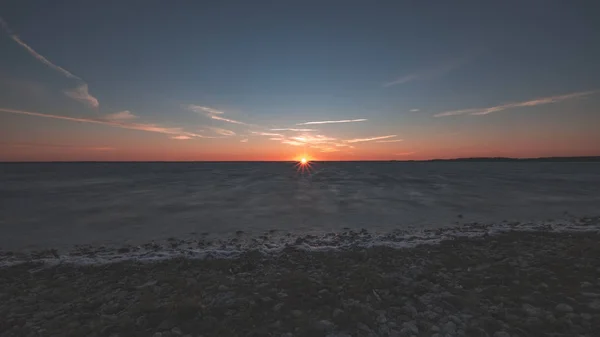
428 73
360 140
404 153
120 116
228 120
310 139
334 122
212 113
321 142
199 108
325 148
80 93
223 132
292 142
268 134
60 146
295 130
390 141
245 140
112 123
534 102
181 137
414 110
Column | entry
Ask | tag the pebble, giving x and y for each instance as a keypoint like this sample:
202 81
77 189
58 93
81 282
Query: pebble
450 327
563 307
363 327
296 313
337 312
501 334
223 287
595 305
411 326
531 310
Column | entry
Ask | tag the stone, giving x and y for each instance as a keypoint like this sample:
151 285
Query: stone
564 308
362 326
595 305
410 310
324 325
530 310
450 327
223 287
176 331
296 313
454 319
337 312
411 326
501 334
157 334
533 321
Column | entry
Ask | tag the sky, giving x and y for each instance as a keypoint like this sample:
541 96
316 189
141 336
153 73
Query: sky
280 80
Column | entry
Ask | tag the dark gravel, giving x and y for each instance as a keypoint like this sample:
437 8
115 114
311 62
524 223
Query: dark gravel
513 284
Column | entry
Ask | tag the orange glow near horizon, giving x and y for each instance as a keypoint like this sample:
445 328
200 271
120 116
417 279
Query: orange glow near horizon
303 165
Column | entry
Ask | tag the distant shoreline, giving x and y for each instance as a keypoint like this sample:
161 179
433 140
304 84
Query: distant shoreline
584 159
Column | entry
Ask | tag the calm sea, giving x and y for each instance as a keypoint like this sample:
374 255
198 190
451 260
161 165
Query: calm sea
61 204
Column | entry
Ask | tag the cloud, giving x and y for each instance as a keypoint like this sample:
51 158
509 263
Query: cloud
80 93
245 140
404 153
181 137
60 146
360 140
212 113
227 120
534 102
295 130
120 116
198 108
223 132
414 110
268 134
112 123
334 122
325 148
390 141
310 139
292 142
428 73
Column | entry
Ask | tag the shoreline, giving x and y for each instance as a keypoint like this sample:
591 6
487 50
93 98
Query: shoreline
205 245
513 283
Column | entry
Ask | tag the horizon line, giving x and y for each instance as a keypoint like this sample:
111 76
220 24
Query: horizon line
293 161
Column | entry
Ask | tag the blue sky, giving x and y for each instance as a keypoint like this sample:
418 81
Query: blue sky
160 80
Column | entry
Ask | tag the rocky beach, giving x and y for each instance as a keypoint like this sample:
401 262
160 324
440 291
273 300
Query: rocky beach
514 283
